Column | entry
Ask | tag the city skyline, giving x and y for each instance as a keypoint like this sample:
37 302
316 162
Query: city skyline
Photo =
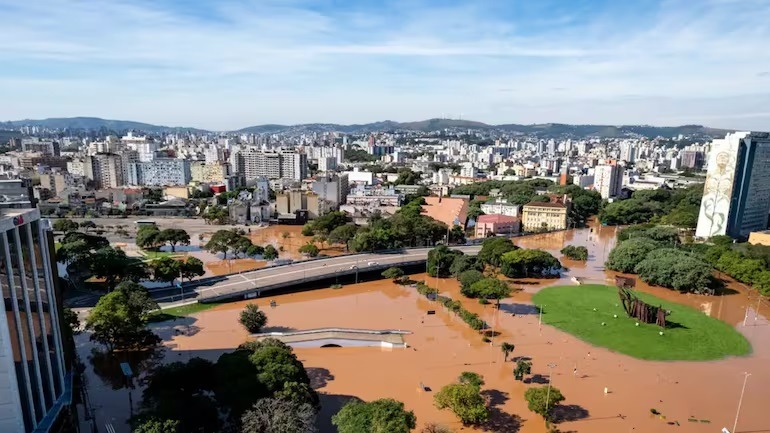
235 64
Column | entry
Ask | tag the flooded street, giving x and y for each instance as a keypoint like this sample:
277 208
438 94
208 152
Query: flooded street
286 239
692 396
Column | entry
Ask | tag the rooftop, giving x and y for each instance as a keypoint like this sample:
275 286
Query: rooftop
496 218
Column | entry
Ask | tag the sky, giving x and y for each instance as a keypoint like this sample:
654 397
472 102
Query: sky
228 64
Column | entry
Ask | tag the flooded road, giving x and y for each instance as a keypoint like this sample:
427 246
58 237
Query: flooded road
692 396
285 238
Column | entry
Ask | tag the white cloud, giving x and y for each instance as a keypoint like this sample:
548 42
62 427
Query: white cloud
250 62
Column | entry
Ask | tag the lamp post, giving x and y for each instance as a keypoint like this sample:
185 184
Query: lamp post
740 400
548 393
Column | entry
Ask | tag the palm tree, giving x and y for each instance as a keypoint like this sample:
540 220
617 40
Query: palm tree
507 348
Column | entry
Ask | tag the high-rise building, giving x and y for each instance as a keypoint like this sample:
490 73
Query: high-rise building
284 164
736 197
106 170
627 151
608 180
35 383
160 172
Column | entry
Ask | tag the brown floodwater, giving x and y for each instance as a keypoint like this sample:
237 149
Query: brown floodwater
691 396
286 239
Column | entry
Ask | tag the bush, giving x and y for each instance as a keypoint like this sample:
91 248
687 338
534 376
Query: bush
253 319
575 253
529 263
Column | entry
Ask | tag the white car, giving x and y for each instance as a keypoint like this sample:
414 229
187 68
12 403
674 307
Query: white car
372 264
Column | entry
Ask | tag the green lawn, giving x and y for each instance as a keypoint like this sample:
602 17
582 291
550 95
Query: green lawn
152 255
179 312
691 335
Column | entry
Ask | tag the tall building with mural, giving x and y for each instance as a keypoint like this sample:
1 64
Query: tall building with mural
736 196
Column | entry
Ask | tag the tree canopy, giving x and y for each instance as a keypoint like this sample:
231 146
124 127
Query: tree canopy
440 260
523 263
579 253
119 318
379 416
252 318
492 249
543 399
465 400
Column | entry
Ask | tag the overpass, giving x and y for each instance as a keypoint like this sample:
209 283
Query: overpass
339 337
255 283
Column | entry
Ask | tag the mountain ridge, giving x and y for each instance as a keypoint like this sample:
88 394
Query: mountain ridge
428 125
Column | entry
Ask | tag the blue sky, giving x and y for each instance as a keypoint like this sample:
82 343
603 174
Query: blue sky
233 63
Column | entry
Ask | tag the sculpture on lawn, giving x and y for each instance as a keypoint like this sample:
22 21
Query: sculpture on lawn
637 308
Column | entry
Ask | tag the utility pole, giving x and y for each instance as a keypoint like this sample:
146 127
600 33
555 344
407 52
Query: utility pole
548 393
740 401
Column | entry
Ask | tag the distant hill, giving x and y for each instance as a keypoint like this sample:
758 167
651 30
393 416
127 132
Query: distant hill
545 130
95 124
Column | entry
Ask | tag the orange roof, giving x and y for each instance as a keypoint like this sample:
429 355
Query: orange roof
446 211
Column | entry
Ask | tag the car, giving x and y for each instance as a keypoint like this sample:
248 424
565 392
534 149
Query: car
354 267
372 264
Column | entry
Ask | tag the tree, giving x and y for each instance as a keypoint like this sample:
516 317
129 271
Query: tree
327 223
309 249
507 348
343 234
573 252
675 269
165 269
272 415
523 368
252 318
542 400
380 416
119 319
87 225
280 372
270 253
154 425
630 211
393 273
191 268
489 288
182 391
457 235
529 263
465 400
440 261
148 237
627 254
71 319
216 214
471 378
242 246
65 225
432 427
222 242
467 279
114 266
174 237
493 248
464 263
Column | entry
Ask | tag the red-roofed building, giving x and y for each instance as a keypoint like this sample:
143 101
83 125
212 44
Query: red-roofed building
487 225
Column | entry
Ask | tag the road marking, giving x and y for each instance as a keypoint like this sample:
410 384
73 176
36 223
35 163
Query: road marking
109 428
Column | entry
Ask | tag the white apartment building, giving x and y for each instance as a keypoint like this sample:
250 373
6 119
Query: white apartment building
106 170
608 180
284 164
160 172
501 208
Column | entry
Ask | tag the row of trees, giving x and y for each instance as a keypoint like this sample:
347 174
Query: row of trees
87 255
152 238
747 263
232 241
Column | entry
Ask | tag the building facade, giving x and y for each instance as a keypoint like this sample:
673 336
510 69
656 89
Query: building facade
160 172
490 225
608 180
106 170
546 216
35 385
501 208
736 197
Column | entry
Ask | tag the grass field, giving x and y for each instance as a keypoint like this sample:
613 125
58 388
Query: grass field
690 335
152 255
179 312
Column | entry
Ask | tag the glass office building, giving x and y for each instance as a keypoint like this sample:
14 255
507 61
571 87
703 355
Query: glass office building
35 386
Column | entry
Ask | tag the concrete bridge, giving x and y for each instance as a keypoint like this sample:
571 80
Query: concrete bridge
339 337
256 283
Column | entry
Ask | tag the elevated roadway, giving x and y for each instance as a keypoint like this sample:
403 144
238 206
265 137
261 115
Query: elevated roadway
255 283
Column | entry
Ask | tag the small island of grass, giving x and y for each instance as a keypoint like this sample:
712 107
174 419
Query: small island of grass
588 312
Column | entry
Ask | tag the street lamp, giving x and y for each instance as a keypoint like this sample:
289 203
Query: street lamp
740 401
548 393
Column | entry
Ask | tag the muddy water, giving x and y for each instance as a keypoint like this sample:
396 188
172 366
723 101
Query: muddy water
441 346
286 239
